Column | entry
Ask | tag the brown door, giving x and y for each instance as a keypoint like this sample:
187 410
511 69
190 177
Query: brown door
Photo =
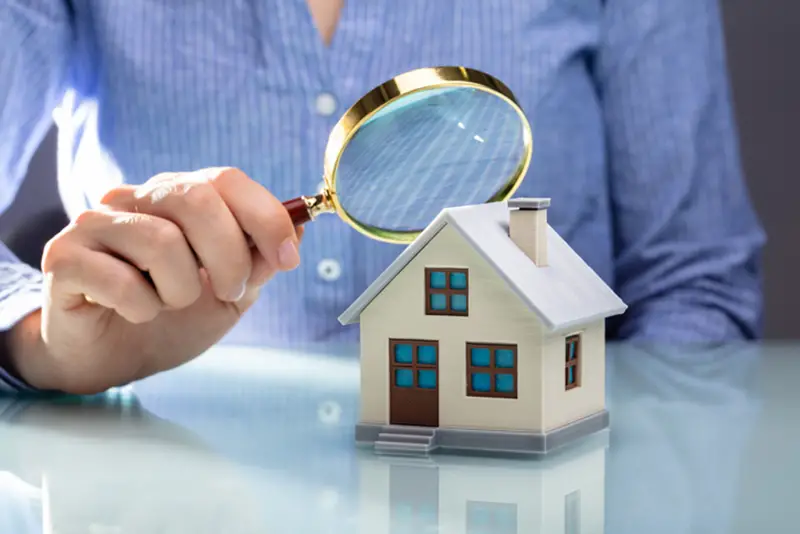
413 382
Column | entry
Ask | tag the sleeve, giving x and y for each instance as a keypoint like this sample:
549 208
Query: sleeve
687 239
34 57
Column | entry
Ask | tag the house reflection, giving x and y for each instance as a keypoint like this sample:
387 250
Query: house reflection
562 493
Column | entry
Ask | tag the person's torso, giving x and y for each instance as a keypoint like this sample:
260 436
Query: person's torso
183 84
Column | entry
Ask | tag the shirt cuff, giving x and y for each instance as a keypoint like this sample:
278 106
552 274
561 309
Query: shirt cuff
20 293
18 299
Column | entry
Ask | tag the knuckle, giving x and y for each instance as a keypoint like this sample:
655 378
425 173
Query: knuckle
122 286
125 293
114 194
86 218
57 255
223 176
201 198
163 234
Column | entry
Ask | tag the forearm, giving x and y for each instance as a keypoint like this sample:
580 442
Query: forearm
705 287
686 318
687 240
701 288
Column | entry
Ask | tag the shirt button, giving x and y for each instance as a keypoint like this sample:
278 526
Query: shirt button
329 270
326 104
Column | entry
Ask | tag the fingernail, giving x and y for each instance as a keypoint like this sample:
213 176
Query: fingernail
288 256
238 296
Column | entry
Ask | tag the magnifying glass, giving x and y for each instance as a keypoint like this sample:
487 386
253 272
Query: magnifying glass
426 140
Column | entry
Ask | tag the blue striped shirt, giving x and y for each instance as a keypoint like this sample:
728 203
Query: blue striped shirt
628 99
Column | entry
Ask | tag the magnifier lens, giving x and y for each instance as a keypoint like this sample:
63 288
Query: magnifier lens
426 151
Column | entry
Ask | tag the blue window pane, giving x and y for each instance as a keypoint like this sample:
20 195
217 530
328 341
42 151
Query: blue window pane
403 378
403 354
479 357
504 358
426 379
570 375
504 383
438 302
438 280
426 355
458 281
458 303
571 351
481 382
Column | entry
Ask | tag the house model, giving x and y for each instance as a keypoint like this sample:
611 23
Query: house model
486 333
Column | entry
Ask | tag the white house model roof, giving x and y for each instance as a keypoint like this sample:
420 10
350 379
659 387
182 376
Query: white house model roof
564 294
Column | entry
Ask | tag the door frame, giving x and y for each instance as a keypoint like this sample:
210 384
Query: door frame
413 406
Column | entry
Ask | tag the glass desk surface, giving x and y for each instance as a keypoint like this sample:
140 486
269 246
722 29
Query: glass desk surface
259 441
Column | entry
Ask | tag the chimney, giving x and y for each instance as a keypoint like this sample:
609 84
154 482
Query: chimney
528 227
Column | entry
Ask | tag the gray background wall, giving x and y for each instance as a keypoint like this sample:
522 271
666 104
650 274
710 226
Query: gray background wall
763 42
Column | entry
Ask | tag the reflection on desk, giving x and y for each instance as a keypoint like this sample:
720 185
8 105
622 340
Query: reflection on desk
105 465
564 493
261 441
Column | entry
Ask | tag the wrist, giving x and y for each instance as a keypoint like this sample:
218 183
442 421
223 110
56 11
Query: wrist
25 352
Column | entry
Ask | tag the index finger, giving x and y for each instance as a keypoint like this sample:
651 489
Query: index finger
260 214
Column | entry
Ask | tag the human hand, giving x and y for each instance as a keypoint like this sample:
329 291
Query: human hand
104 324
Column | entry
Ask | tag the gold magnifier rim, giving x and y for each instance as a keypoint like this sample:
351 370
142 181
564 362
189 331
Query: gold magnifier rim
388 92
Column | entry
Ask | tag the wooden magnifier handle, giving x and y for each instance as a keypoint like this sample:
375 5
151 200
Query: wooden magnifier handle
299 210
305 209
